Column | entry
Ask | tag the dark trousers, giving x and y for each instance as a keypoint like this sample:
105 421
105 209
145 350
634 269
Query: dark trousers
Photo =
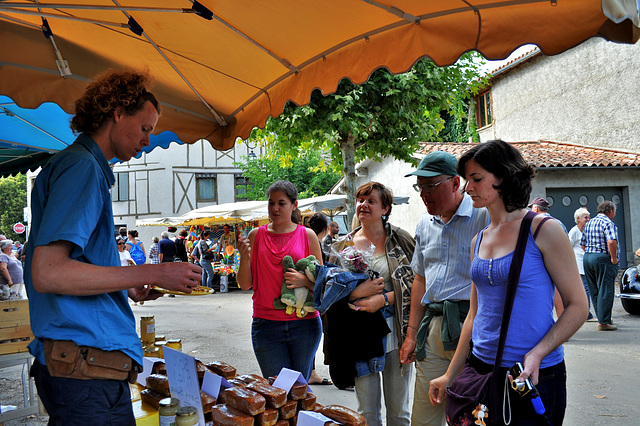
83 402
601 275
552 387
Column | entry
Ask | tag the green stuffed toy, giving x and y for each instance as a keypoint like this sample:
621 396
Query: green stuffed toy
298 300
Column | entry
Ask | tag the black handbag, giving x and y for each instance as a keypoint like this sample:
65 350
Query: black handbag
478 396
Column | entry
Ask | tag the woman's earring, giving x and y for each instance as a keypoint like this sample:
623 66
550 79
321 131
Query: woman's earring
384 217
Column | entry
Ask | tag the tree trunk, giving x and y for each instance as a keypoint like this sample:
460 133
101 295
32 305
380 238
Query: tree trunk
347 147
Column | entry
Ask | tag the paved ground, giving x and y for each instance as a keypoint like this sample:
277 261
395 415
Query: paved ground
603 367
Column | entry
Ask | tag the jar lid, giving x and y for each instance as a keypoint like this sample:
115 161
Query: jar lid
146 317
186 411
166 402
174 340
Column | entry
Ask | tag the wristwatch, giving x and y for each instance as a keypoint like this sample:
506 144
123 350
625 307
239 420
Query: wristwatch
386 299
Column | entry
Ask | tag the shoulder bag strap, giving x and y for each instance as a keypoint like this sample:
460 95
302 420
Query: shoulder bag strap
512 284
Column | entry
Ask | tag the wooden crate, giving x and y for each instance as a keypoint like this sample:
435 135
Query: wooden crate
14 324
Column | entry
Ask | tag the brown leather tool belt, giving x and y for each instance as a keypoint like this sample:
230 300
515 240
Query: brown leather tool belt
65 358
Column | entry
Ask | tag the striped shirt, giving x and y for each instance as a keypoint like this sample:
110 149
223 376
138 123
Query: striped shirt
443 255
597 232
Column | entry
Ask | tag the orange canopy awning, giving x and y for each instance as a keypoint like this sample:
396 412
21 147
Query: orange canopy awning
222 67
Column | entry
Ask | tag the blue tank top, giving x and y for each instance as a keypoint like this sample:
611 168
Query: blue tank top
532 315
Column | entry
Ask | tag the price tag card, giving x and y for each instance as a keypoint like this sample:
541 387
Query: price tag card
147 366
212 384
287 378
183 380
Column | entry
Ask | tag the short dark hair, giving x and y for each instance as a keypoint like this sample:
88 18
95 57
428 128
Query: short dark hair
386 196
318 223
606 207
505 162
111 90
184 233
205 234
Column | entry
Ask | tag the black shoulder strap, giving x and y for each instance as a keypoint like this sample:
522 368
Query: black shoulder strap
512 284
544 219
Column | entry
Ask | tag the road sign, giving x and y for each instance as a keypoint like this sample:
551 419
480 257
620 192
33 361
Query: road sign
18 228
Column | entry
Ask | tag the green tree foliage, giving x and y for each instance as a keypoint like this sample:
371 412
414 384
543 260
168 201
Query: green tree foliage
308 172
13 199
386 115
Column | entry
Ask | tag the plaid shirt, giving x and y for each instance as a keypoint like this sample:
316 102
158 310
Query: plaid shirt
597 232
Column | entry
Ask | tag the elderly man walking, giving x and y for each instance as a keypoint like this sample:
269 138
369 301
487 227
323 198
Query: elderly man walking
442 284
600 244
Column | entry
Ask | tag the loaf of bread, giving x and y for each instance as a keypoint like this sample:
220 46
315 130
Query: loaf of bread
343 415
201 369
237 382
308 403
318 407
289 409
151 397
268 417
159 383
298 391
248 378
224 415
208 401
159 367
222 369
282 422
245 400
274 396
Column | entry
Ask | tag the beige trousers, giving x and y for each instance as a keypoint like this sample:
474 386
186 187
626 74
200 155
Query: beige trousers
434 365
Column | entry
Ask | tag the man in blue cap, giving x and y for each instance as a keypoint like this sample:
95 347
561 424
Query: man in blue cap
442 285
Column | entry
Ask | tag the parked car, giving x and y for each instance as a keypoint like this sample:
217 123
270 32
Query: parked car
630 291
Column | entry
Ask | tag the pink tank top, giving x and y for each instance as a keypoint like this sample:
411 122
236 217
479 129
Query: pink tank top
266 269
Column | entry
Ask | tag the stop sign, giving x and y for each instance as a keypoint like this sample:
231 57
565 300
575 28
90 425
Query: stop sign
18 228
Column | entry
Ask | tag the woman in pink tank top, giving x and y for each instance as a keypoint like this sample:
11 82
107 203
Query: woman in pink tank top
279 339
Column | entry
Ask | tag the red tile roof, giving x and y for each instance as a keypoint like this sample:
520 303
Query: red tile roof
552 154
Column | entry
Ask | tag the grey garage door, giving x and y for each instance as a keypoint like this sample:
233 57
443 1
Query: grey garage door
565 201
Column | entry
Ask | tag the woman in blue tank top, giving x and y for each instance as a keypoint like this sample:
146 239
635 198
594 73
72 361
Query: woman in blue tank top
499 179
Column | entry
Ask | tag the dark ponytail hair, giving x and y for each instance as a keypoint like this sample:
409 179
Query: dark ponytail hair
291 192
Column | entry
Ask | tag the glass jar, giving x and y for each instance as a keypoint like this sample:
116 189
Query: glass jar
186 416
151 351
174 344
167 411
148 329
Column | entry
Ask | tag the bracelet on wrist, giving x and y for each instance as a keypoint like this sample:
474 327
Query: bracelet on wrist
415 328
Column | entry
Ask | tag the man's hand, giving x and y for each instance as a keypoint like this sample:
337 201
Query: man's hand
143 293
407 350
178 276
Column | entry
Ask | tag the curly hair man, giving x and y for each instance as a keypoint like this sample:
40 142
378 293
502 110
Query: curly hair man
77 291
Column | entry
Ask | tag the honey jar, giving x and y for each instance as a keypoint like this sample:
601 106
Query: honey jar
167 411
175 344
148 329
186 416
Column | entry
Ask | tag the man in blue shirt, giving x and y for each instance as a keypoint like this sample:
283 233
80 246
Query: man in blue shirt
166 248
86 346
600 245
442 284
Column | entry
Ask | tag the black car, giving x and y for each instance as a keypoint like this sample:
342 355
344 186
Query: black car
630 291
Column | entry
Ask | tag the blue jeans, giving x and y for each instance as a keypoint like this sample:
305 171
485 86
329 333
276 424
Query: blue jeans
207 273
586 289
601 276
395 386
291 344
83 402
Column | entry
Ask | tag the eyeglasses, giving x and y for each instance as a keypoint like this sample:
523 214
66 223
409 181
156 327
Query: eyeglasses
429 187
120 243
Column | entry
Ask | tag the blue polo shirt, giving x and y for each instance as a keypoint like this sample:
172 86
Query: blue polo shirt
70 201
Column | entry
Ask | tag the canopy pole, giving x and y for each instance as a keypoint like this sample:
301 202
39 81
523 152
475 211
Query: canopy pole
221 121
